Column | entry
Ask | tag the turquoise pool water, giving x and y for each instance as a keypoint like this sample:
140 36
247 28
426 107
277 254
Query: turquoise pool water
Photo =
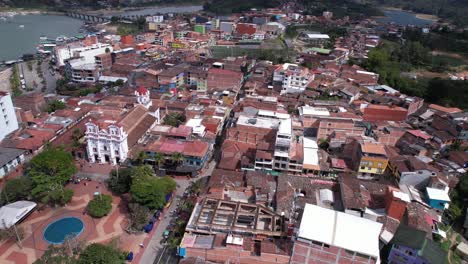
57 231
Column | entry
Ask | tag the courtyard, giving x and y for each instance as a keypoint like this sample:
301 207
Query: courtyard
102 230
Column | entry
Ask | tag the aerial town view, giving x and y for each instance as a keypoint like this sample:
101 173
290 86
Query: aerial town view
234 131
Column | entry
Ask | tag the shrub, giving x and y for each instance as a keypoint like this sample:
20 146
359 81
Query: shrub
100 206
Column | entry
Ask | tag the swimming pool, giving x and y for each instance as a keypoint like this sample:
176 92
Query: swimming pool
57 231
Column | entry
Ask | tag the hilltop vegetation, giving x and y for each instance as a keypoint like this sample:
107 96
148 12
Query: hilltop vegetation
340 8
233 6
390 59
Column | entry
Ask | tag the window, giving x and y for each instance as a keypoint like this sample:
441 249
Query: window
379 164
116 152
94 149
362 167
105 148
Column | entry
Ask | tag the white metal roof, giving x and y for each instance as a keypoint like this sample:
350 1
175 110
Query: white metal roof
104 78
10 214
437 194
402 196
318 36
310 152
341 230
285 127
314 111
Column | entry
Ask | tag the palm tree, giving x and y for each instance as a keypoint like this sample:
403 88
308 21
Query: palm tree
177 158
159 159
140 159
196 187
76 136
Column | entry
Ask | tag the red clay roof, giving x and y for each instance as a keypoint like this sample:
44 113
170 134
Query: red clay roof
419 133
142 90
188 148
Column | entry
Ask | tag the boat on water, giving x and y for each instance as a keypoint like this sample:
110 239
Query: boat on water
21 26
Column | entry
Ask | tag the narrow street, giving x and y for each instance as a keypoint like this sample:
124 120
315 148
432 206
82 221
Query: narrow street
155 251
155 246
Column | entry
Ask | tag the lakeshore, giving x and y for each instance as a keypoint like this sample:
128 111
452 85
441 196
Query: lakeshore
417 15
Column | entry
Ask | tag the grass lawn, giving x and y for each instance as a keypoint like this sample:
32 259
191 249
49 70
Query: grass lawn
451 60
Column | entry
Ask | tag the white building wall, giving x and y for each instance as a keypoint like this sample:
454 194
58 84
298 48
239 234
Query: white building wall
106 145
88 52
8 122
11 165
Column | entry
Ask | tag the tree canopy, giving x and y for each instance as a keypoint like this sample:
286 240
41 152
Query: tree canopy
458 204
148 190
100 206
55 255
139 216
101 254
16 189
174 119
53 162
120 182
49 171
55 105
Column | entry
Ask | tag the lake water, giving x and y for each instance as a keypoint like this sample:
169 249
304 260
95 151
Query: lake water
16 40
403 18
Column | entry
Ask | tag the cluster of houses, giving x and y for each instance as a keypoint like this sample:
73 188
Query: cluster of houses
316 162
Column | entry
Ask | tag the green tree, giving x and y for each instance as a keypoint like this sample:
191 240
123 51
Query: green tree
120 182
55 105
177 158
100 206
139 216
48 191
150 191
196 187
142 172
55 255
53 162
49 171
77 134
323 143
16 189
159 159
458 197
140 159
174 119
114 19
101 254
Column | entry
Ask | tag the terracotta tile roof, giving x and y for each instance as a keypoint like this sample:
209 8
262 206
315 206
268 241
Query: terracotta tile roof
170 146
29 139
180 131
232 152
419 133
447 110
373 148
359 194
221 178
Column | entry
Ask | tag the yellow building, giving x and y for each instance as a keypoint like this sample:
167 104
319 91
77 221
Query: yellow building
373 158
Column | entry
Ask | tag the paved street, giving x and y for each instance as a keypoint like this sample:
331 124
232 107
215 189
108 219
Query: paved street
155 252
51 80
155 245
